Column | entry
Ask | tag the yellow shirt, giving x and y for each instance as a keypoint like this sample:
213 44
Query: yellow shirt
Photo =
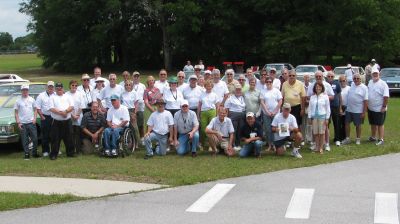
292 94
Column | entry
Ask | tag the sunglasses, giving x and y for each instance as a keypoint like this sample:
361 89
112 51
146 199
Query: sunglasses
330 76
184 106
242 79
292 75
342 81
112 79
163 74
229 74
85 80
268 82
356 78
318 76
74 85
181 77
128 85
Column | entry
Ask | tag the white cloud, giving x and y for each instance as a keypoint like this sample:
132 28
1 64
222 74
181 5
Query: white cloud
12 20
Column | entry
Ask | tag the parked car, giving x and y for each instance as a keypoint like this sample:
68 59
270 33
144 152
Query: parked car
9 131
11 78
279 67
392 77
310 69
8 89
338 71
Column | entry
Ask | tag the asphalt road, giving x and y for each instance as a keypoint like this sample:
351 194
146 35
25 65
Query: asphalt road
343 192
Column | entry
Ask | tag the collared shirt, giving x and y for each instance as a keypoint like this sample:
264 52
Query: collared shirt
271 99
152 95
188 68
43 102
231 86
93 124
252 101
77 98
319 107
129 99
61 103
185 122
208 101
261 86
192 95
139 89
246 130
95 93
107 92
293 94
225 127
349 74
161 85
87 95
182 87
345 92
276 84
172 99
337 90
235 103
376 93
117 116
161 122
25 107
279 119
220 88
356 97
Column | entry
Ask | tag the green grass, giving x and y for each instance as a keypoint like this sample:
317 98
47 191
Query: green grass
9 201
20 62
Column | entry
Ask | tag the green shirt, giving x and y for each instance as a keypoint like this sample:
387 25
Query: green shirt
252 101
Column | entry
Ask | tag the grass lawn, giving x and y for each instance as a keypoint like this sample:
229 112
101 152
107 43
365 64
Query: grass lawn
9 201
20 62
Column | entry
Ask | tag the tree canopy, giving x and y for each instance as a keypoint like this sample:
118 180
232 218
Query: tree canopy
76 35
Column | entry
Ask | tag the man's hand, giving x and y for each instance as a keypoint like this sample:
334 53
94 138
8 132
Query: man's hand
176 143
34 121
190 135
247 140
113 126
20 126
219 136
362 115
171 141
95 137
147 135
42 117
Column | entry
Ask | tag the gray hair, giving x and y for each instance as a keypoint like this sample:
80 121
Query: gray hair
230 71
216 71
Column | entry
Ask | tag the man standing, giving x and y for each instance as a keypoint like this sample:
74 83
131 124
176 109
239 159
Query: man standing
220 87
357 105
251 134
188 67
112 89
117 120
159 125
276 83
349 74
368 73
97 74
230 81
186 128
181 80
375 66
93 124
336 110
294 94
76 116
220 133
61 107
378 96
86 90
162 83
25 116
43 109
139 89
192 93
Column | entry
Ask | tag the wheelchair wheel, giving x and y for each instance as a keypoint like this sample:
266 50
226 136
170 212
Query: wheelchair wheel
127 143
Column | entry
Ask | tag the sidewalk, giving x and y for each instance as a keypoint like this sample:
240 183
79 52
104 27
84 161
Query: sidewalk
78 187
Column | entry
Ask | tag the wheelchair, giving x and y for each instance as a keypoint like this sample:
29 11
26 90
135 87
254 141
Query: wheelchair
125 146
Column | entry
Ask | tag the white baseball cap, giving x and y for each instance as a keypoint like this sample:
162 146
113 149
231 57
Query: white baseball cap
184 102
25 86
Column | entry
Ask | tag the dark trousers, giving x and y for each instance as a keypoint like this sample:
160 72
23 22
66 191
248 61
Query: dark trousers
336 123
46 127
237 121
77 138
342 122
61 130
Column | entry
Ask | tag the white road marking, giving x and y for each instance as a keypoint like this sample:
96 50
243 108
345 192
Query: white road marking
209 199
386 210
300 204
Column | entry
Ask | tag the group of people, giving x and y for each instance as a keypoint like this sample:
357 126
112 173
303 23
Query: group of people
207 113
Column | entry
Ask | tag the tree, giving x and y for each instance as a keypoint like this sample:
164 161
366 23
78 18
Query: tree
6 40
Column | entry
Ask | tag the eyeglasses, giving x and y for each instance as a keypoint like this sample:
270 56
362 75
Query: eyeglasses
356 78
181 77
229 74
163 74
128 85
330 76
264 74
184 106
112 79
85 80
242 79
318 76
74 85
342 81
268 82
292 75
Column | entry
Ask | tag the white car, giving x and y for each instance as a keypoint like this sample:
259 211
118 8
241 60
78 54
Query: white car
310 69
338 71
11 78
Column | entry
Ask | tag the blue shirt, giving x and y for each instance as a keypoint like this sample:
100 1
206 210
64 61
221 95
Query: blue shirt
337 90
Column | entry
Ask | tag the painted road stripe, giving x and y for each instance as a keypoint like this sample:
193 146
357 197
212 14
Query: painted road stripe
209 199
300 204
386 210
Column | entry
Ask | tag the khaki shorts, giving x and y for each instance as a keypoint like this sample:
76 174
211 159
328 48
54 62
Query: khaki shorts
318 126
223 144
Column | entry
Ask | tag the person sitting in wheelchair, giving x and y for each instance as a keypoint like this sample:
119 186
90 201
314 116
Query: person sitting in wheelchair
117 120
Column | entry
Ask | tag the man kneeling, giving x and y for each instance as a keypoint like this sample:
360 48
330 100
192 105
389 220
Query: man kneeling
93 124
285 127
220 133
117 119
251 134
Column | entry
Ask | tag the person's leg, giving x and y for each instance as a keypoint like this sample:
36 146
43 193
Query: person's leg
183 144
45 128
358 131
335 120
381 131
55 138
213 141
67 137
25 139
257 147
163 145
134 127
34 138
246 150
140 122
235 122
373 132
107 138
147 142
316 140
87 146
195 141
204 123
115 135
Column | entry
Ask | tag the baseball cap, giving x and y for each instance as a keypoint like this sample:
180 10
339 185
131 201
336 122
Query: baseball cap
286 106
348 65
375 70
250 114
184 102
59 84
238 86
85 76
272 69
25 86
100 79
373 60
193 77
50 83
207 72
114 97
135 73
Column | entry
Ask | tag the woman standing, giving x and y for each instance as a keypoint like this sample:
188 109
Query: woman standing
319 111
236 112
151 94
252 98
172 96
130 100
344 93
271 102
206 110
97 89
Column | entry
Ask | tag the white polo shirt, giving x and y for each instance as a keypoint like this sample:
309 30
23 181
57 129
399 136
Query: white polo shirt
235 103
107 92
291 120
271 99
208 101
43 102
161 85
117 116
87 95
220 89
356 97
79 103
376 92
161 122
128 99
181 87
25 107
225 127
276 83
344 93
61 103
262 87
139 89
172 99
192 95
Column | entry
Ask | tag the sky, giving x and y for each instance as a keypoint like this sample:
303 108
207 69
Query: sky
12 21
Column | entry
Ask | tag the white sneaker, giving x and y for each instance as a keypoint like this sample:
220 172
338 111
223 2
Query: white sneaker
346 141
337 143
45 154
237 148
107 152
327 147
142 141
59 152
114 152
358 142
312 146
380 142
296 153
168 149
302 143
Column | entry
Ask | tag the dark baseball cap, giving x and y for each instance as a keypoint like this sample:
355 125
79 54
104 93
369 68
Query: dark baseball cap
59 84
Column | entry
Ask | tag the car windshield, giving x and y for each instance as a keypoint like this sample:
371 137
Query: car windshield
8 90
340 71
390 73
13 98
278 67
306 69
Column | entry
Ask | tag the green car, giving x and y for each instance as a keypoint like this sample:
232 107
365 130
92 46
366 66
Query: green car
9 132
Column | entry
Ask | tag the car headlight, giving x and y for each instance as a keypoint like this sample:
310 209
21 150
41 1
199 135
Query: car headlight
8 129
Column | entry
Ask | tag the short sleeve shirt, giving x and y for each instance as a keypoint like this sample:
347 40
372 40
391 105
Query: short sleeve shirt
87 95
376 93
77 98
61 103
108 91
231 86
225 127
271 99
25 107
235 103
220 89
192 95
139 89
356 97
293 93
278 119
43 102
185 122
152 95
161 122
172 99
93 124
252 101
117 116
129 99
161 85
246 130
208 101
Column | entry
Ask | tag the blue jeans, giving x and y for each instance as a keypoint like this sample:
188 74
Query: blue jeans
248 148
29 130
162 144
269 136
184 143
111 137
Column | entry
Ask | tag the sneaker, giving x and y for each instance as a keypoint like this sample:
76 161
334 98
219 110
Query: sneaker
59 152
168 149
337 143
114 152
327 147
26 157
194 154
45 154
302 143
142 141
346 141
312 146
358 142
107 152
372 139
237 148
296 153
380 142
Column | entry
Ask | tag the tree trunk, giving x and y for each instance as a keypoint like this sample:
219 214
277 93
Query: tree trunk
166 43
